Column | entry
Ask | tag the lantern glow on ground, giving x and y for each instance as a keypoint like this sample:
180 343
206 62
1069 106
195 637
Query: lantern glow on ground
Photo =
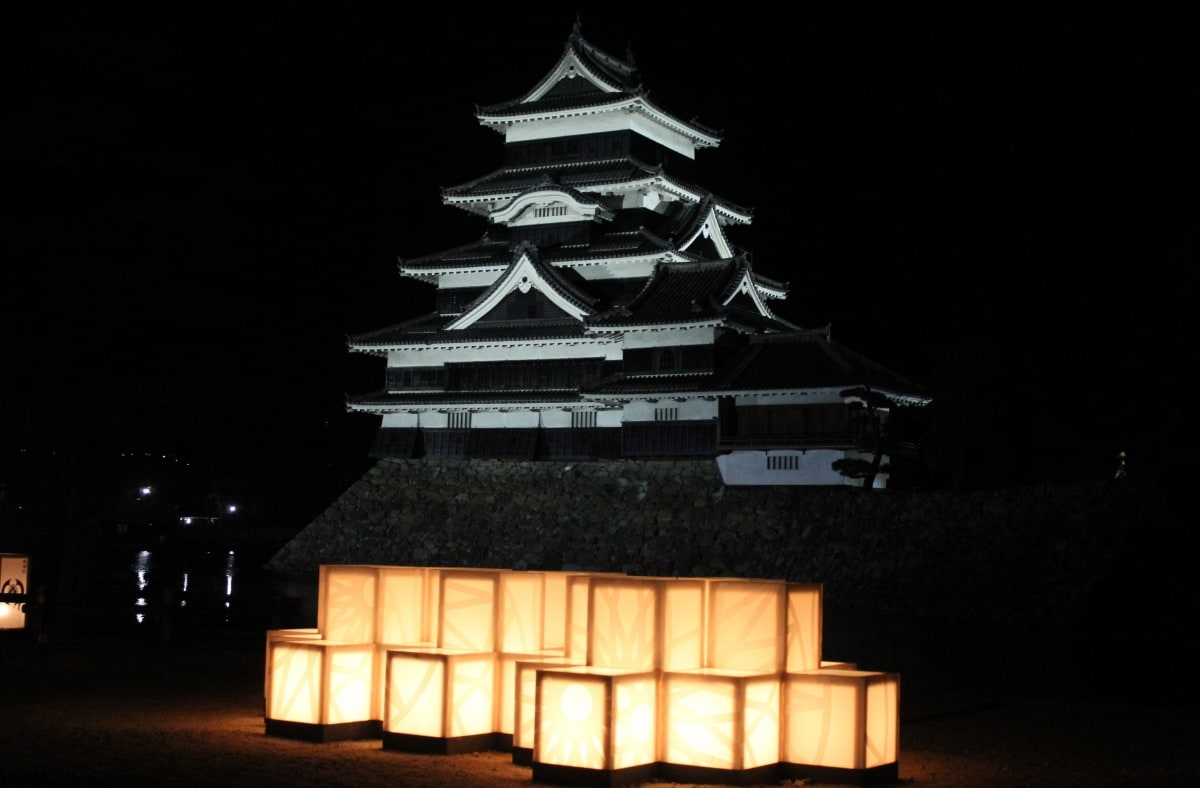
589 678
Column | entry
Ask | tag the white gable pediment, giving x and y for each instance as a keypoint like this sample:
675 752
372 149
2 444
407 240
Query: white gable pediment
523 276
569 67
749 288
547 206
710 229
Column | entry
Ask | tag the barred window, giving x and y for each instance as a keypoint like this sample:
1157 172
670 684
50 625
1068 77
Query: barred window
583 418
460 420
786 462
666 414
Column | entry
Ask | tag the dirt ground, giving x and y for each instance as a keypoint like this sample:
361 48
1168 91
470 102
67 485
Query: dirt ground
138 712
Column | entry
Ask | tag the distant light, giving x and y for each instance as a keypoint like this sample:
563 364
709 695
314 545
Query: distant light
145 491
231 508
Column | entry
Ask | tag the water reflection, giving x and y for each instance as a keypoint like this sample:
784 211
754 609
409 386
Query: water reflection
190 589
141 571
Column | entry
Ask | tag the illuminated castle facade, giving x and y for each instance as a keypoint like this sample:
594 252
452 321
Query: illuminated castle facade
607 311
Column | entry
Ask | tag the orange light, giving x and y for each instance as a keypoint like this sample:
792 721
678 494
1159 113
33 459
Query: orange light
844 719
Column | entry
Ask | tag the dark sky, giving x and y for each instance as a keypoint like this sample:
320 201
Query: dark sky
202 207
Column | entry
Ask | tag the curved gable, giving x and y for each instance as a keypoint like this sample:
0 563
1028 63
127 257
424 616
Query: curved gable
523 275
544 206
708 228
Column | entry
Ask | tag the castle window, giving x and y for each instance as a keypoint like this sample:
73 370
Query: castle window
460 420
666 414
583 418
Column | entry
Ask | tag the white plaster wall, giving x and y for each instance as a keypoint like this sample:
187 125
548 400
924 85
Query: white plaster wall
609 418
749 468
639 269
689 409
468 279
494 419
399 420
430 357
596 124
434 420
556 419
704 335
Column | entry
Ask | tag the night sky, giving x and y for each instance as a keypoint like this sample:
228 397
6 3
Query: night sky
202 207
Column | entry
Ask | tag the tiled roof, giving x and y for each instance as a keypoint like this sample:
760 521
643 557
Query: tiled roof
677 293
430 333
491 252
619 385
506 182
810 359
555 279
576 93
574 174
801 359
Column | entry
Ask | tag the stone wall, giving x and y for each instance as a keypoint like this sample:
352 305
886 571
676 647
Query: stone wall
1035 555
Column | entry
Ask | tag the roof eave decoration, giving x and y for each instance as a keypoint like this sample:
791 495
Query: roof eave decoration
678 326
525 273
547 205
571 66
709 227
501 119
745 284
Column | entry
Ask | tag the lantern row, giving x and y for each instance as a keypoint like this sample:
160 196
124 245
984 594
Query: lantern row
589 678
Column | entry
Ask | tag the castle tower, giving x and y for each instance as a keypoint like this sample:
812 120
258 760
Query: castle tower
607 311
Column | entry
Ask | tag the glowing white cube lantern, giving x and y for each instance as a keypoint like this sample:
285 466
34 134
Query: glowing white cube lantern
720 722
595 724
643 623
746 625
320 690
468 609
576 629
839 722
14 587
524 702
346 602
682 631
273 635
804 612
405 613
554 611
439 700
522 598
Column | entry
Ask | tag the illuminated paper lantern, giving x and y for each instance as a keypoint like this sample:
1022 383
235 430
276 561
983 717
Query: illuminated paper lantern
720 726
406 615
318 690
595 725
746 624
273 635
346 602
443 698
522 608
804 623
576 628
841 724
439 700
638 623
507 692
468 609
554 611
14 590
524 692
